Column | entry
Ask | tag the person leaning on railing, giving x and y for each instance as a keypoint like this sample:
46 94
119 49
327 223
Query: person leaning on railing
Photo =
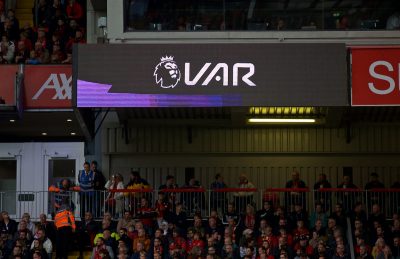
114 202
63 194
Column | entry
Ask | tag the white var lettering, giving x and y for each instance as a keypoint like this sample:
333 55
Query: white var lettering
225 74
388 79
62 87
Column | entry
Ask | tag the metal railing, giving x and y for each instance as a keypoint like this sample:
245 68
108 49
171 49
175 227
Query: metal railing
194 201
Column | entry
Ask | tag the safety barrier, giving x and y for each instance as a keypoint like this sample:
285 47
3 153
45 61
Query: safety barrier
152 203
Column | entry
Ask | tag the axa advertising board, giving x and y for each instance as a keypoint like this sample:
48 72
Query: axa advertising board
45 87
212 75
375 76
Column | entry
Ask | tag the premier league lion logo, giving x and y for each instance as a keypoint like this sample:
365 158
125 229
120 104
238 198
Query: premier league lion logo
167 73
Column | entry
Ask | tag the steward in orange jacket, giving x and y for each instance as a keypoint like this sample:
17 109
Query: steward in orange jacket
64 221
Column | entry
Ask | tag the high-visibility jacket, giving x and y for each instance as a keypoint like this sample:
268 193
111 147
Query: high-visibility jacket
64 218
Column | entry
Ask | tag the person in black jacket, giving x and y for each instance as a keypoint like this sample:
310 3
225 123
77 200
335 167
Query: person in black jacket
9 225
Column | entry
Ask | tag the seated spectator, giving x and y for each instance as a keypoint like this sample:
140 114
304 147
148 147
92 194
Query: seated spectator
57 56
125 240
29 224
363 253
22 53
393 22
231 213
376 216
303 247
300 231
146 214
396 246
249 218
74 11
37 246
8 225
23 228
298 214
142 238
45 243
101 249
126 221
378 248
267 213
33 59
7 50
212 228
321 251
284 248
340 253
162 207
178 217
339 216
318 214
41 53
48 227
86 232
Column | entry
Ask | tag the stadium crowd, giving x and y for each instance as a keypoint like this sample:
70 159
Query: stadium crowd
166 229
58 25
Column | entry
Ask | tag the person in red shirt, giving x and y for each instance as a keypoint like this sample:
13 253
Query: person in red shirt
78 40
302 247
197 242
74 10
146 214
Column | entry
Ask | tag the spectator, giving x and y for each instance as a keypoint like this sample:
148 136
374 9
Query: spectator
169 184
114 202
86 232
26 220
374 197
8 28
146 214
324 198
37 247
393 22
7 50
378 249
40 12
178 217
218 199
14 21
8 225
22 53
63 194
347 198
266 213
100 248
242 198
376 216
339 216
194 201
74 11
318 214
48 227
340 253
86 183
126 221
396 247
25 38
136 182
57 56
295 196
99 181
231 213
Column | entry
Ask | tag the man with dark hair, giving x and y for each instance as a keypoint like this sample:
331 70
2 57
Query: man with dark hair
99 183
218 199
86 179
323 197
372 196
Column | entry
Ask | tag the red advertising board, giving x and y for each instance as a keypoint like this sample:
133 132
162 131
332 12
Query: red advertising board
7 76
375 76
48 87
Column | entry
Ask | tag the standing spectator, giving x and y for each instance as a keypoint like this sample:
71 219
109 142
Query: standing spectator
374 197
295 196
114 202
347 198
99 179
242 198
218 199
136 182
170 184
194 201
324 198
340 216
14 21
86 183
74 11
65 224
8 28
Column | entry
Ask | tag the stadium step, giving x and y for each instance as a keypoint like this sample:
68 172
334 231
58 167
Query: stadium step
25 4
24 12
